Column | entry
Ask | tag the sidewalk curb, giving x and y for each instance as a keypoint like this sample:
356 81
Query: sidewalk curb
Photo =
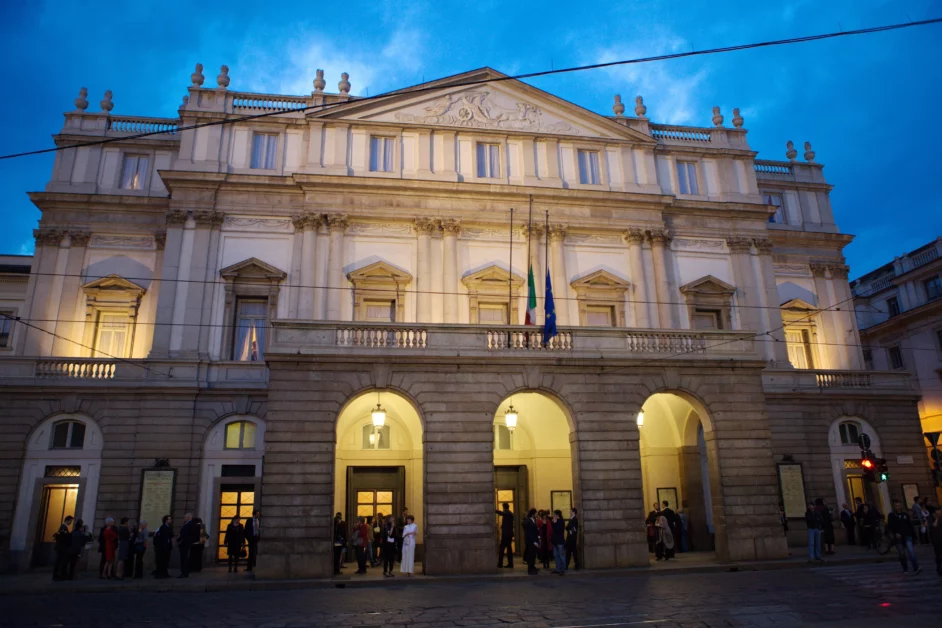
349 582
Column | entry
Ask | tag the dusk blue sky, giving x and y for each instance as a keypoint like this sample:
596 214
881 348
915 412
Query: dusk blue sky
869 105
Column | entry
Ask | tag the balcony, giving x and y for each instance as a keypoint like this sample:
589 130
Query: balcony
838 382
101 372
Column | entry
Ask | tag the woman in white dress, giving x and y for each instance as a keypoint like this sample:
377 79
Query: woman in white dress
407 565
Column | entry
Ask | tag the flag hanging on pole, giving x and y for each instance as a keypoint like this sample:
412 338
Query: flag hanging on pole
531 298
549 306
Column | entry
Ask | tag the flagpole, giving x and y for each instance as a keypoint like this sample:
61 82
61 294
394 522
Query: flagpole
526 338
547 257
510 280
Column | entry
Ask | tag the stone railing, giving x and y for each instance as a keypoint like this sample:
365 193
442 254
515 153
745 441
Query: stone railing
766 167
693 134
837 382
667 342
75 369
128 124
531 340
843 379
881 283
924 257
402 338
265 102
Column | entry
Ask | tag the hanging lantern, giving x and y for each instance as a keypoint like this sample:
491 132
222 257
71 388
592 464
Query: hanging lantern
510 418
640 418
379 416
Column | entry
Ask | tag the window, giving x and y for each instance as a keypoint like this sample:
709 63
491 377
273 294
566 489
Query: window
111 336
868 359
933 288
264 149
68 435
896 357
488 161
502 438
382 153
706 319
892 306
375 438
495 313
251 320
134 172
6 328
600 316
240 435
589 167
850 432
687 177
799 349
776 200
380 311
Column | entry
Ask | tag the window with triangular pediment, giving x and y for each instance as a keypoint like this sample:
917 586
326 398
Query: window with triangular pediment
111 308
709 303
379 292
489 296
601 299
252 288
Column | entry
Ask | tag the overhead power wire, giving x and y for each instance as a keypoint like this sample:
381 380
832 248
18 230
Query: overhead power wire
529 75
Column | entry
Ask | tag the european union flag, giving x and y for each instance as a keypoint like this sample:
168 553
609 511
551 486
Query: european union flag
549 311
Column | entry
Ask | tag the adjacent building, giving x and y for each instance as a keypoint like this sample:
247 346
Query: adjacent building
320 309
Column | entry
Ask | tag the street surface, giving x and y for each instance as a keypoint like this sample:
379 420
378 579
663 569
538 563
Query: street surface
849 595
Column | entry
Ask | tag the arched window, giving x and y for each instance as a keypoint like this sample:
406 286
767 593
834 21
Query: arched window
68 435
850 432
240 435
378 439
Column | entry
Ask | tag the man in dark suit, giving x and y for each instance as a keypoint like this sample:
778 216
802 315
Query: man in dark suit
673 521
63 539
506 537
572 538
163 545
189 534
252 527
531 539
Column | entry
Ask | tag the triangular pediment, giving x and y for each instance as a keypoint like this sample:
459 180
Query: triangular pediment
252 268
113 283
798 304
601 279
491 277
708 285
380 272
507 105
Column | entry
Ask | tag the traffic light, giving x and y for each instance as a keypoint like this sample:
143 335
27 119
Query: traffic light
883 472
868 464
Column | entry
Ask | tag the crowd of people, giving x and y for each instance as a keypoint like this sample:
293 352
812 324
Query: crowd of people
667 531
547 537
385 539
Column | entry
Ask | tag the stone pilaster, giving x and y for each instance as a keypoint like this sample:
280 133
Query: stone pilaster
336 224
38 342
168 288
64 306
535 246
423 229
768 291
744 278
557 238
635 238
827 319
196 311
660 242
308 224
450 230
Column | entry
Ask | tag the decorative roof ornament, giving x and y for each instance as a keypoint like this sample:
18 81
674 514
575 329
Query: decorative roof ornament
809 154
640 109
344 84
186 100
107 105
222 80
618 107
717 117
81 103
197 76
319 82
737 119
790 151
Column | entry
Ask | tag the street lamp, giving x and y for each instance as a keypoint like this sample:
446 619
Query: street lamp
640 418
379 420
510 418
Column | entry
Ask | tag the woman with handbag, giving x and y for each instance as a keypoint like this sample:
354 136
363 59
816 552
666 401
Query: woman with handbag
235 544
360 536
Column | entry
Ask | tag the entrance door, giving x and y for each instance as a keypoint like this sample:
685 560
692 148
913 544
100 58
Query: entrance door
234 500
511 484
58 501
372 491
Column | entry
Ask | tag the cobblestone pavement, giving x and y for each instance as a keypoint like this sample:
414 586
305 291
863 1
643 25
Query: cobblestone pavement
858 595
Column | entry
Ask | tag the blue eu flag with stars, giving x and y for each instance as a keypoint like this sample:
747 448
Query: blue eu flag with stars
549 311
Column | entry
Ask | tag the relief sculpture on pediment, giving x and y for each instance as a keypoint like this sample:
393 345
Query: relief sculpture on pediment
476 110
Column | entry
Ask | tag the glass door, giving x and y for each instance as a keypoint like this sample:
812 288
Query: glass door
234 500
58 501
505 496
372 503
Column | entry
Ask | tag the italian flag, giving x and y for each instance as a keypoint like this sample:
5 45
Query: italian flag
531 298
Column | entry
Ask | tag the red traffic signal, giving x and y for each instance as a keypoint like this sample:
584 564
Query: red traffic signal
867 464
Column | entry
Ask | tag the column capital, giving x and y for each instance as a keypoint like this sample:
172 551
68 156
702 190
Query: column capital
337 222
208 218
634 235
307 221
819 269
425 226
48 237
839 271
739 245
660 237
763 245
79 238
176 217
535 231
451 226
557 233
160 239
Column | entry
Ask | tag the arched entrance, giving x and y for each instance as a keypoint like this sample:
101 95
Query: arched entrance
849 479
678 464
379 468
533 458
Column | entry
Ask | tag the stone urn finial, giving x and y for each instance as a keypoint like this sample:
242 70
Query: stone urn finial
809 154
319 82
618 107
107 105
640 109
717 117
790 151
223 79
344 84
737 119
197 76
186 100
81 103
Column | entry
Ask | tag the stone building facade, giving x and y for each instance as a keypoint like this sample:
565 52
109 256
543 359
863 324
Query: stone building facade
238 302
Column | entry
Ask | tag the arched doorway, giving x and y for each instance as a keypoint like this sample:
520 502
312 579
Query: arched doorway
849 481
533 458
678 466
379 461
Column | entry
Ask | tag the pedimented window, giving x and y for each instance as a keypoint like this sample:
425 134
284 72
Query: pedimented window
111 307
379 292
252 289
489 295
801 333
709 303
601 299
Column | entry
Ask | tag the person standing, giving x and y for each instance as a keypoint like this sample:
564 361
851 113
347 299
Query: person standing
920 518
111 549
360 535
559 542
664 548
671 517
189 534
63 541
391 538
140 547
900 525
370 532
815 525
859 515
546 538
572 539
80 536
124 546
163 546
252 530
409 534
651 523
378 538
340 540
531 541
849 523
506 537
827 526
400 526
234 540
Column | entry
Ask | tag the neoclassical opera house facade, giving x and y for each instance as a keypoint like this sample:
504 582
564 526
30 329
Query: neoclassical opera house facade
214 317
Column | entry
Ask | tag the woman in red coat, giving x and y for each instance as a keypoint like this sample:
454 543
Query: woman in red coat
111 548
546 536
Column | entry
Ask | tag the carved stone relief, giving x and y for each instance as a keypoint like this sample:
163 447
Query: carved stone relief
476 109
242 223
714 246
396 229
100 241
